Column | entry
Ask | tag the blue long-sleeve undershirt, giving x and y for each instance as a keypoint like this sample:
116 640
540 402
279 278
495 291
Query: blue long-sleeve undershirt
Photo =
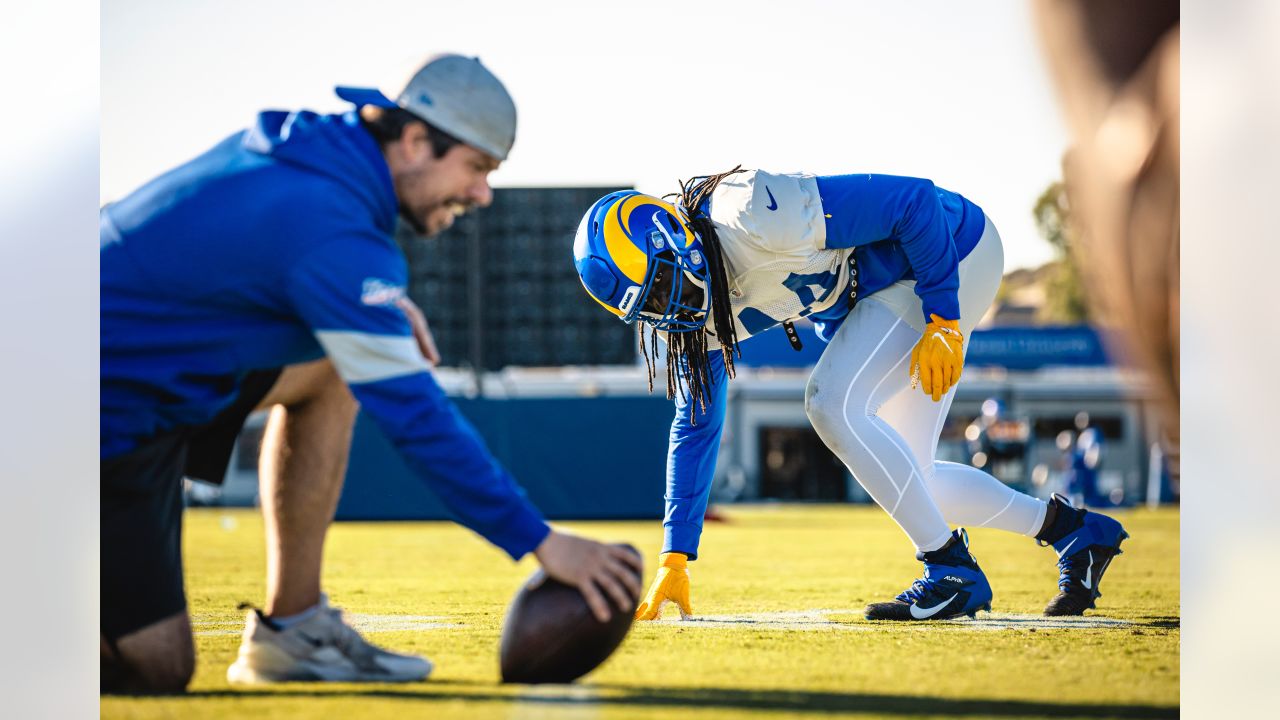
691 463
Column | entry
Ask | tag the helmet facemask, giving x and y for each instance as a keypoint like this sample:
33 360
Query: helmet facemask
641 258
674 297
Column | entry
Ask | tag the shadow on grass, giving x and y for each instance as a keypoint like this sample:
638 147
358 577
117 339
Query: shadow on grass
569 696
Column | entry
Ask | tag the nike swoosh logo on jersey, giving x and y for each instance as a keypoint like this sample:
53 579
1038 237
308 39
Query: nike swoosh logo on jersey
773 204
1068 547
1088 574
920 613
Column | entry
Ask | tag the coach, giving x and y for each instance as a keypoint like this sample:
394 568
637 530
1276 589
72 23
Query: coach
263 274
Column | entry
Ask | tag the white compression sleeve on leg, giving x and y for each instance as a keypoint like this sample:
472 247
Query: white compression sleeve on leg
865 364
968 496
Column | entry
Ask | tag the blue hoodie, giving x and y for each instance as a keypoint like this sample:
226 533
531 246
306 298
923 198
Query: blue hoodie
274 248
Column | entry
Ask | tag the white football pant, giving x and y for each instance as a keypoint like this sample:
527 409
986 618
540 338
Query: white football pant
860 402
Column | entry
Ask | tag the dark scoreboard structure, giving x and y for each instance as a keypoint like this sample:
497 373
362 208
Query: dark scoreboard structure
499 288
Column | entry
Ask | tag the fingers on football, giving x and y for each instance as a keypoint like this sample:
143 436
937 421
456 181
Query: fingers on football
595 601
630 558
629 579
621 597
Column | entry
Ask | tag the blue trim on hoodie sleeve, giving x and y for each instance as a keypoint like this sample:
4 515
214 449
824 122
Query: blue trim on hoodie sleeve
691 463
867 209
351 285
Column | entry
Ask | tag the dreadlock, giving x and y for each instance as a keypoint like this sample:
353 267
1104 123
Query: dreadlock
688 363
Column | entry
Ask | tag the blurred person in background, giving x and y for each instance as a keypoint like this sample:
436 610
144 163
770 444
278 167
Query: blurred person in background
263 274
997 443
1085 465
894 272
1116 65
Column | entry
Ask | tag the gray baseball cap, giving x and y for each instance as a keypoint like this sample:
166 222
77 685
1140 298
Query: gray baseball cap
458 95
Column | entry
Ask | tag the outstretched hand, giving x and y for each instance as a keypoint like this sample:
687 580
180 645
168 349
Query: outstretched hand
591 567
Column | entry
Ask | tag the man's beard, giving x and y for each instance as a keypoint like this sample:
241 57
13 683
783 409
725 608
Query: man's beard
407 215
457 208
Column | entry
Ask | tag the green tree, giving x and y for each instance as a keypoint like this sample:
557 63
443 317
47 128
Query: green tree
1064 290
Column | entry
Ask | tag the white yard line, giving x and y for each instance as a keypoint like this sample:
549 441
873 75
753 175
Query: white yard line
819 620
361 622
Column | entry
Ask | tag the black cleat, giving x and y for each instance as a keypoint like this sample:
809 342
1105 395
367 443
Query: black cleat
1084 554
952 585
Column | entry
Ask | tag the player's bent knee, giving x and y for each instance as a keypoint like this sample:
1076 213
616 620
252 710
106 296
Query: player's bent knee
838 423
815 407
310 384
829 416
826 422
333 395
159 658
164 678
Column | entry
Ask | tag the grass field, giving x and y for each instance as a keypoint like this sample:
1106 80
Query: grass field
779 591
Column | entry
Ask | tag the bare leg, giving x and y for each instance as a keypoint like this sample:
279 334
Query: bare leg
159 658
303 462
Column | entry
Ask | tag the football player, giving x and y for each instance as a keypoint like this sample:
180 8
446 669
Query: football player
894 272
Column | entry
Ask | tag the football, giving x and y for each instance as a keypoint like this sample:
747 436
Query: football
550 635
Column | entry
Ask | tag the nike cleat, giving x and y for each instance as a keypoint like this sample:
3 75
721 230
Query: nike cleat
322 648
1083 556
952 585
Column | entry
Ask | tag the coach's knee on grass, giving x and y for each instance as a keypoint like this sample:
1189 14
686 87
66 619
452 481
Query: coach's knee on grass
159 658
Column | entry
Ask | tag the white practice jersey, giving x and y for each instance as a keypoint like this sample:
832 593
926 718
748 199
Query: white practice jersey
773 234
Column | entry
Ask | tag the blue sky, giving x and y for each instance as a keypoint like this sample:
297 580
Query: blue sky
608 93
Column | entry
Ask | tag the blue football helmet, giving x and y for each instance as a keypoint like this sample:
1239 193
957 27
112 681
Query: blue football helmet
638 258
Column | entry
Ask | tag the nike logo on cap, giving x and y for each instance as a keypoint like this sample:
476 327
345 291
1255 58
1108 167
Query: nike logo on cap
773 204
920 613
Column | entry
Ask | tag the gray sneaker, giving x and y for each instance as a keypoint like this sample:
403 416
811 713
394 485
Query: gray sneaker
322 648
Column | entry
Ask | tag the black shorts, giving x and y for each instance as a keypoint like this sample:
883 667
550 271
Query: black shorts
141 559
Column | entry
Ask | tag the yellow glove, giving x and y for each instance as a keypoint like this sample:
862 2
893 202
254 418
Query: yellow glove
938 358
670 585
